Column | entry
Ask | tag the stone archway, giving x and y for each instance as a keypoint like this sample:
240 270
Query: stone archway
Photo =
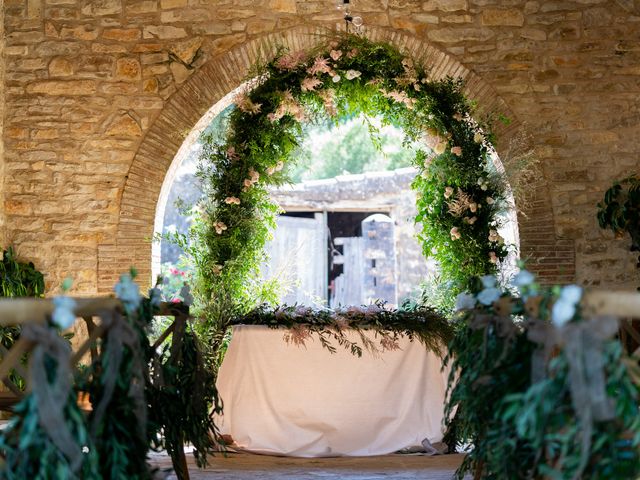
223 74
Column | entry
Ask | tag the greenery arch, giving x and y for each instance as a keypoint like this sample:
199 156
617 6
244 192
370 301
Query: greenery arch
461 195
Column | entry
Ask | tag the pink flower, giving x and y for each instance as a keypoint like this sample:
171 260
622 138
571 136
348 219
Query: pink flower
456 151
173 271
309 84
492 257
352 53
320 65
455 234
176 300
335 55
458 116
231 153
232 200
291 60
473 207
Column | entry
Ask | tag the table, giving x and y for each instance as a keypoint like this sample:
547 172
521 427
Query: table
303 401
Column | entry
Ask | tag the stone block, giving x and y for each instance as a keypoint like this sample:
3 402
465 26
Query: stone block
444 5
462 34
128 69
69 87
102 7
502 17
60 67
283 6
82 32
186 51
124 126
163 32
167 4
122 34
180 72
260 26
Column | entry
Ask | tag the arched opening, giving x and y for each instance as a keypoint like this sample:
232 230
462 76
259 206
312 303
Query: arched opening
131 246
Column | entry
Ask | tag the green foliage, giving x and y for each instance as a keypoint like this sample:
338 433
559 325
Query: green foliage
515 390
19 279
328 151
122 435
185 399
29 453
422 323
620 210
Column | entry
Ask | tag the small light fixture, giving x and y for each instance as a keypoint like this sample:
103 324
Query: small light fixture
349 19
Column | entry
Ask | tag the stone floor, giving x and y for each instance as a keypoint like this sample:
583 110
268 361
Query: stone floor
245 466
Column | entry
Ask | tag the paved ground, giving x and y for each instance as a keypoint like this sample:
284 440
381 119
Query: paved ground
249 467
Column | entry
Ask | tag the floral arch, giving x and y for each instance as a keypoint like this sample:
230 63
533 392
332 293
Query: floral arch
461 194
224 73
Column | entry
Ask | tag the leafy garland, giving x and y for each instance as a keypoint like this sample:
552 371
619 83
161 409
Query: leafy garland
416 322
540 391
460 193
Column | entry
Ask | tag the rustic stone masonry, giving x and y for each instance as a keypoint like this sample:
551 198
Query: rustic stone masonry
100 93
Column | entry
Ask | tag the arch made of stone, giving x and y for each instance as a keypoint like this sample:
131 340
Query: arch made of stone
152 164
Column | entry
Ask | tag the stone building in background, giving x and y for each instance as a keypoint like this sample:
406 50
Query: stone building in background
359 234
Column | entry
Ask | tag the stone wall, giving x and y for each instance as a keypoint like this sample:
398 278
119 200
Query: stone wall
100 93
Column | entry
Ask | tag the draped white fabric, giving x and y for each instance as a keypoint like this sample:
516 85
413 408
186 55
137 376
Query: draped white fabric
306 402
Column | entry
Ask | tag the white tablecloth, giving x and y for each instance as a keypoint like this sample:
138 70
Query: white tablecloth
306 402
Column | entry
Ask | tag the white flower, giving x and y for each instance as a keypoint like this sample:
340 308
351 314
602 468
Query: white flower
494 236
336 78
473 207
478 137
523 278
490 201
489 295
279 166
271 170
465 301
128 292
565 307
335 55
482 182
440 148
571 293
232 200
63 315
488 281
455 234
351 74
562 312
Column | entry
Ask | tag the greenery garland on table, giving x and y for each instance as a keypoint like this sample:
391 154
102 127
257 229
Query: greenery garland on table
416 322
461 195
539 390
